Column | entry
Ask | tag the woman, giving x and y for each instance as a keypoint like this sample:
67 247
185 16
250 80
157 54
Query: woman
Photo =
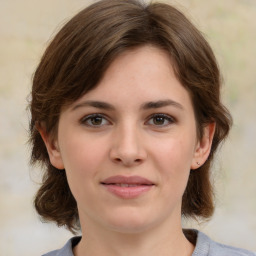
126 118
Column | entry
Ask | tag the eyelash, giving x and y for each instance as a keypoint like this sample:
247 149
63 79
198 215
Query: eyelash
87 120
165 117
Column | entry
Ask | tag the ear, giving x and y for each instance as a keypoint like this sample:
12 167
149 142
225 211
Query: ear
203 147
52 148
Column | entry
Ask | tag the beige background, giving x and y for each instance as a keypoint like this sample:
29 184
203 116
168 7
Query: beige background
25 28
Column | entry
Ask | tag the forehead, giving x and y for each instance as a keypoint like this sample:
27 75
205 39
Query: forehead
141 74
146 60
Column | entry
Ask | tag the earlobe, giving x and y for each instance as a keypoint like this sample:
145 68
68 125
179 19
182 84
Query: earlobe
203 147
52 148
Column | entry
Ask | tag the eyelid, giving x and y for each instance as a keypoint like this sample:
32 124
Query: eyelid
85 118
167 117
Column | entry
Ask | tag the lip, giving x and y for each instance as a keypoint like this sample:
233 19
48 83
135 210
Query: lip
127 187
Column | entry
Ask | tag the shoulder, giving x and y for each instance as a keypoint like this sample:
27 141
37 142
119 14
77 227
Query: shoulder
207 247
66 250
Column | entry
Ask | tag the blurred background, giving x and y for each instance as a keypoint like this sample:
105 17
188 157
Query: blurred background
25 29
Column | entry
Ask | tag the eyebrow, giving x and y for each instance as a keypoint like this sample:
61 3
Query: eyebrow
95 104
145 106
161 103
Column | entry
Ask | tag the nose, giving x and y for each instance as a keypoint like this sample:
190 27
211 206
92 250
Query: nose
128 147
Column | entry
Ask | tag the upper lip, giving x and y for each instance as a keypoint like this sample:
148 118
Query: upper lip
119 179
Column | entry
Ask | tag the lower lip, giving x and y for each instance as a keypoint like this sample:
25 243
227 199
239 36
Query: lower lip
128 192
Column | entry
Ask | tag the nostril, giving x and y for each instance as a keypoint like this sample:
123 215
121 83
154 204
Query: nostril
128 161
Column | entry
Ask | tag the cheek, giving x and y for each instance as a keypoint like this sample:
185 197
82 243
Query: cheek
173 160
174 155
82 159
80 153
176 162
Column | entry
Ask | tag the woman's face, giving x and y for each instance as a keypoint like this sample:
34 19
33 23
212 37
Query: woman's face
128 145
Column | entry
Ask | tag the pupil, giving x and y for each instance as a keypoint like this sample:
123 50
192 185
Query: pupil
159 120
96 120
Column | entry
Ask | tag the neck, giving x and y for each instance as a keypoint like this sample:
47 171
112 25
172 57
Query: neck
150 242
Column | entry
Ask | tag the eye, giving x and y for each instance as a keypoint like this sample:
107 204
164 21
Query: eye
94 120
160 120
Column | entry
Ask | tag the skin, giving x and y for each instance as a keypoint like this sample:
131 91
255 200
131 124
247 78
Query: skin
131 137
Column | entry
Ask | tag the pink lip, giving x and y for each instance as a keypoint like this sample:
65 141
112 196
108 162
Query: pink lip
127 187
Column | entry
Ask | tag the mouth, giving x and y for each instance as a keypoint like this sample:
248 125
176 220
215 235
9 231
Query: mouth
127 187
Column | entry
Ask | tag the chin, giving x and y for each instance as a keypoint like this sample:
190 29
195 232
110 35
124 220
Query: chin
130 222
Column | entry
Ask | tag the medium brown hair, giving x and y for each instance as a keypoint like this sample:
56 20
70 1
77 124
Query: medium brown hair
76 60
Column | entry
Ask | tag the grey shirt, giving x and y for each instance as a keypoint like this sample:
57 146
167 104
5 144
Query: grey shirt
204 247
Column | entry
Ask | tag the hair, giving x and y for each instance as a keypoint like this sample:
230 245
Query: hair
74 63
